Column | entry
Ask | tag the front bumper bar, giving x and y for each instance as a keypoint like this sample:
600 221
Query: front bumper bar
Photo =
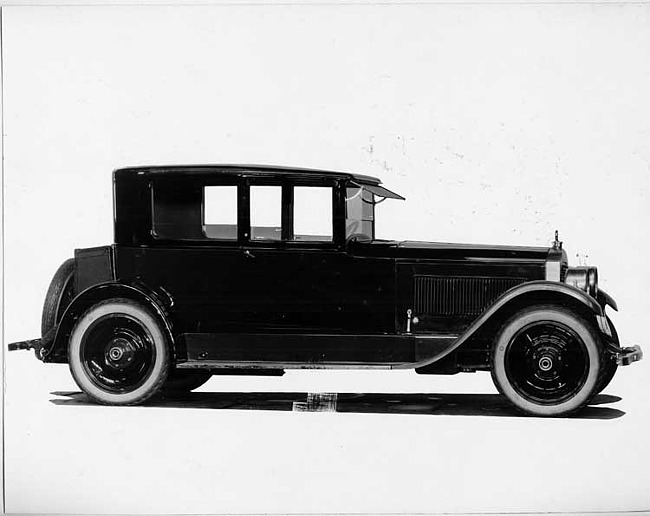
626 356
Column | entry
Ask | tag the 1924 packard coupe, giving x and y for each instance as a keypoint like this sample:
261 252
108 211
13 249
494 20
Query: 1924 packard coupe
253 270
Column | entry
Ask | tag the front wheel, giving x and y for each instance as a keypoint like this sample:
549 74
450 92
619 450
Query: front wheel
546 361
609 362
118 353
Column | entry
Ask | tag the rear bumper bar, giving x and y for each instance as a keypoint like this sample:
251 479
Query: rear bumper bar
40 346
36 344
626 356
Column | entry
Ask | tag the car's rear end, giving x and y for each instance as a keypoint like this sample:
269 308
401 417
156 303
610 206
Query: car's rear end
89 267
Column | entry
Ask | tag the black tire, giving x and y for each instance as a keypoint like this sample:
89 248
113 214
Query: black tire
118 353
58 297
546 360
609 366
182 381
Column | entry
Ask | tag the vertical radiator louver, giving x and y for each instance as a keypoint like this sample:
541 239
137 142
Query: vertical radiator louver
458 295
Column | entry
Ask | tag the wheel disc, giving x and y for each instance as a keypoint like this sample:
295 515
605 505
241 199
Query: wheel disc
118 353
547 363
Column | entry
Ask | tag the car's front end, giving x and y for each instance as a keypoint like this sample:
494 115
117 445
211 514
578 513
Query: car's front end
585 279
539 325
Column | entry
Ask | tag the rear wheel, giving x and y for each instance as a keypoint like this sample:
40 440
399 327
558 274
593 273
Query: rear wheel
546 361
118 353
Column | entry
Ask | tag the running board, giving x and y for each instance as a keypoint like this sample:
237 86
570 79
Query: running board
309 350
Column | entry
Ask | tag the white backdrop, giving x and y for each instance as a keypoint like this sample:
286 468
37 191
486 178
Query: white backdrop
498 123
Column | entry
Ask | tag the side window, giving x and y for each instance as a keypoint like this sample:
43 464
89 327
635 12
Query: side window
220 212
266 212
312 213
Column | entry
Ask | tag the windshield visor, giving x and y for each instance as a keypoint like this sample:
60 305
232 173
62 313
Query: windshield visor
380 191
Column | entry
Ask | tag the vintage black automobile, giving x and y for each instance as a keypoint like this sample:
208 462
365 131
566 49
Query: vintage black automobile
233 269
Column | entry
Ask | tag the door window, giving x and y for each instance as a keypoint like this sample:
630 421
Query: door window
312 213
266 212
220 212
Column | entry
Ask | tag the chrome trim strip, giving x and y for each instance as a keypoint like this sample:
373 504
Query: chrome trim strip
215 364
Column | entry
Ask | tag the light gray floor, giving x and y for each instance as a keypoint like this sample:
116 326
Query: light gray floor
407 449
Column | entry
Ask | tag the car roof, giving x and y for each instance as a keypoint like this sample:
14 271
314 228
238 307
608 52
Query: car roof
264 170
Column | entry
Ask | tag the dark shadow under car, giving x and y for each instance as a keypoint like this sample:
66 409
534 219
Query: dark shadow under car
490 405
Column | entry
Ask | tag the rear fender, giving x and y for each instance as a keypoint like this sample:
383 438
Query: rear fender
57 350
521 296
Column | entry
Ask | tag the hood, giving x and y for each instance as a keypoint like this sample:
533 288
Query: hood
450 251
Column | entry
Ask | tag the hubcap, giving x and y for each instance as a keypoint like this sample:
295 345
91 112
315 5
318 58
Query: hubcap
547 362
118 353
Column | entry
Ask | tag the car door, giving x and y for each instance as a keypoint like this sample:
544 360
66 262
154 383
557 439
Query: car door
292 268
313 300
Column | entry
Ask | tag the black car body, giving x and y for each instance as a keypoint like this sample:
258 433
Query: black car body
233 296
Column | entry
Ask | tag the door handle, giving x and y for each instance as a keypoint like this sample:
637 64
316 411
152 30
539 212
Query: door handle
248 254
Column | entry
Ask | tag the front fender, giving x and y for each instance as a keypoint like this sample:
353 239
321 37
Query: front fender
56 350
518 297
605 299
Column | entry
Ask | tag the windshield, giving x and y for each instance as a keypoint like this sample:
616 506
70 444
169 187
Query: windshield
360 209
359 213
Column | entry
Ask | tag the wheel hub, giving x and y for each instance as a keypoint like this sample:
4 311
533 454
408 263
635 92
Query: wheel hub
119 353
116 353
545 363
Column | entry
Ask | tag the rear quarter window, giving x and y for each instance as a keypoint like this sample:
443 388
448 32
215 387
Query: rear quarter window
176 211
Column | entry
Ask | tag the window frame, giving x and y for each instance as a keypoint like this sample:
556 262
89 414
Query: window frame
287 212
263 181
198 183
320 184
243 183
